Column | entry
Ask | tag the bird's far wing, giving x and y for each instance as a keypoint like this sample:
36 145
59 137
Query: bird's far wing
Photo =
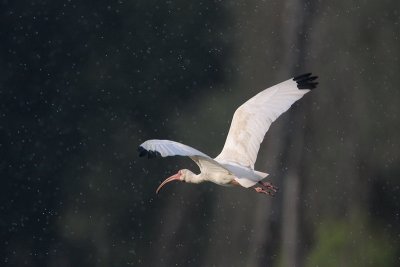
252 119
165 148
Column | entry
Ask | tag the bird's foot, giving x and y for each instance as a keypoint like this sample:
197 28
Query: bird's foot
262 191
269 186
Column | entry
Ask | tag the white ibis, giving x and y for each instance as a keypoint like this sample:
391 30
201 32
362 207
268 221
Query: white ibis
234 166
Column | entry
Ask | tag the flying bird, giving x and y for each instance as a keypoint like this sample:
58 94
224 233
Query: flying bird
234 166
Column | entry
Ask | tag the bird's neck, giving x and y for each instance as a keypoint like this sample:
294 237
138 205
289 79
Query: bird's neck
194 178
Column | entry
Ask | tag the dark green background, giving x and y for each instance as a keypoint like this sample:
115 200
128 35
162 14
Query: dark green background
83 83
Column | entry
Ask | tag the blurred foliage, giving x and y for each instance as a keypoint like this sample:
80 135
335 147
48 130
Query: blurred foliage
351 244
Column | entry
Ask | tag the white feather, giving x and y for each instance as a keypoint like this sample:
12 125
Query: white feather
171 148
252 120
249 124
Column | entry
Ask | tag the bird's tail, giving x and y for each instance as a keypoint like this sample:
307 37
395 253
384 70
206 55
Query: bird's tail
249 182
262 174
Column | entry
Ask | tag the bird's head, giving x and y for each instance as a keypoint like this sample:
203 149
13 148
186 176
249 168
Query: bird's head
183 175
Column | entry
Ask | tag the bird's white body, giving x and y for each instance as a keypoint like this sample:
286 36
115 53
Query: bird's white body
215 170
246 177
235 164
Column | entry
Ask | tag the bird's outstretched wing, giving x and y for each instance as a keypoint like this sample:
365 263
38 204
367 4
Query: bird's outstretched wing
252 119
165 148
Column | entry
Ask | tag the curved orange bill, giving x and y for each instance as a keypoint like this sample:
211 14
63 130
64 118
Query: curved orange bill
174 177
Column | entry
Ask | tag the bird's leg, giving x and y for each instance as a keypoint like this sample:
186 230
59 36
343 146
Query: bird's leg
261 190
269 186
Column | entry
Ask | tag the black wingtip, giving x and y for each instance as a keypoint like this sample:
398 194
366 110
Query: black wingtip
305 81
153 154
150 153
142 151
